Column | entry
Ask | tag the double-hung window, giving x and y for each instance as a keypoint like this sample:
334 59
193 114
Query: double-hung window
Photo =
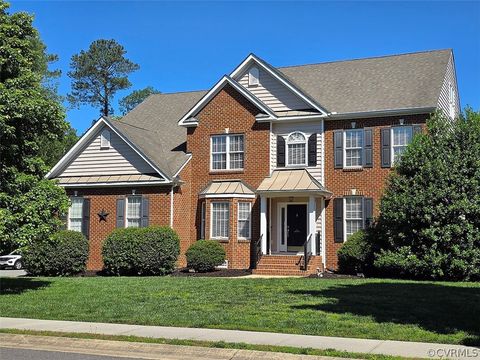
401 137
220 216
227 152
353 215
244 210
75 214
134 211
296 149
353 148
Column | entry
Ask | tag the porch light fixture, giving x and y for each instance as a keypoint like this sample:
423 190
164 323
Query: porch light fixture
354 191
354 124
401 121
75 193
134 191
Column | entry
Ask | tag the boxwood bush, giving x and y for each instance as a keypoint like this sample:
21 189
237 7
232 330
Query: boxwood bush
141 251
204 255
356 254
63 253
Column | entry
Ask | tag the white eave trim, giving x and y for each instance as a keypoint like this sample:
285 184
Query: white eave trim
292 118
184 164
275 73
186 120
379 113
124 183
87 137
229 195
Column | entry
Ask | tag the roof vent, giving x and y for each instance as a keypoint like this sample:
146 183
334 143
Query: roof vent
253 76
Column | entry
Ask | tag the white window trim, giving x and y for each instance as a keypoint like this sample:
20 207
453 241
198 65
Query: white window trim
249 220
227 149
344 145
126 210
392 153
211 220
287 163
345 236
68 215
105 139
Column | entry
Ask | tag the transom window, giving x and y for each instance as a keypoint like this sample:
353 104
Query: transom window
134 211
75 214
401 137
220 220
353 215
227 152
244 210
297 149
353 148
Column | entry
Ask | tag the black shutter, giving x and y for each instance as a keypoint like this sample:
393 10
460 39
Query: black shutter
368 149
338 219
120 213
368 211
385 142
417 129
312 150
86 218
280 151
338 149
145 208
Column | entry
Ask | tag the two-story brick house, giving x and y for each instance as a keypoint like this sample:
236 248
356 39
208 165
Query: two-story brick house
274 161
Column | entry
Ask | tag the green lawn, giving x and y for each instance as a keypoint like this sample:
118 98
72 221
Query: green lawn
380 309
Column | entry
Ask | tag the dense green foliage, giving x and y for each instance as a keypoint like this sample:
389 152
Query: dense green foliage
141 251
51 151
98 73
204 255
362 308
356 254
30 115
63 253
429 225
129 102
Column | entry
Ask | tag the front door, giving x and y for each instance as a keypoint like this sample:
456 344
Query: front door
296 226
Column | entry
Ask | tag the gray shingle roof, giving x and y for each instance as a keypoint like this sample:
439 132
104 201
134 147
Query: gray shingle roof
382 83
373 84
152 127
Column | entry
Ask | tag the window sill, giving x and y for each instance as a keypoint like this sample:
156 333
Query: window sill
244 240
352 169
220 240
236 171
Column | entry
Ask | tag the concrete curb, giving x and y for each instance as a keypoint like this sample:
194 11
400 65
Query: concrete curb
367 346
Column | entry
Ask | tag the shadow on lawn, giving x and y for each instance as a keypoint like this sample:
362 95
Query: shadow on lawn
15 286
433 307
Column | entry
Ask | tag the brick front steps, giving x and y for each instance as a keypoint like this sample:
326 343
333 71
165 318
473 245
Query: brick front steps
287 265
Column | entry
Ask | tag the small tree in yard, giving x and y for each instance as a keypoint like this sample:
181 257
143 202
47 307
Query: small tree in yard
429 225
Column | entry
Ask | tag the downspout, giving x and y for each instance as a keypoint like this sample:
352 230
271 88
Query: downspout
171 206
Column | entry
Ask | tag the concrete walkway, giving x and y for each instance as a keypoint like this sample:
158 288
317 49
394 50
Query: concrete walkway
386 347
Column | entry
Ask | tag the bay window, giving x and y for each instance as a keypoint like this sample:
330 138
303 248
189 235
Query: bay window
220 217
244 223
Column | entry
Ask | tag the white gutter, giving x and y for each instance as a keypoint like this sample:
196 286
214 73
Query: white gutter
171 207
106 184
379 113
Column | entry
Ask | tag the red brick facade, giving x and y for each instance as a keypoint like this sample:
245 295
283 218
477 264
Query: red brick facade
228 110
368 182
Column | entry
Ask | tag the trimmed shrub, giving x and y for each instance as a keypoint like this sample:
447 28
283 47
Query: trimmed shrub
63 253
204 255
356 254
141 251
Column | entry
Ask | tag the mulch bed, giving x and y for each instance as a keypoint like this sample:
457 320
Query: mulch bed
217 273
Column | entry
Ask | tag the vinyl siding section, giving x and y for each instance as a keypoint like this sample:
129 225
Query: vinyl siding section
306 128
273 93
119 159
443 100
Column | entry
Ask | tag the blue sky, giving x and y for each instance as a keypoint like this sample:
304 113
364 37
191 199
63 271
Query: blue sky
183 46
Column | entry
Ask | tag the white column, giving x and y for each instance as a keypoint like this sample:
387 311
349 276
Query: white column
263 223
312 226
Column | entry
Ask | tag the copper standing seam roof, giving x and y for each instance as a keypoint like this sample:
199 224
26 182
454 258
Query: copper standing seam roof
112 179
293 181
228 187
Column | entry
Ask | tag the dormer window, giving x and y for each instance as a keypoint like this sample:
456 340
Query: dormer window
105 139
253 77
296 149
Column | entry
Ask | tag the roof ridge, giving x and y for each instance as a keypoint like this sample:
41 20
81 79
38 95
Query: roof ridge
178 92
365 58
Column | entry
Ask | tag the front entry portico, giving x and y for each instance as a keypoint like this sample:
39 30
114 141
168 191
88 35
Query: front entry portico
291 213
